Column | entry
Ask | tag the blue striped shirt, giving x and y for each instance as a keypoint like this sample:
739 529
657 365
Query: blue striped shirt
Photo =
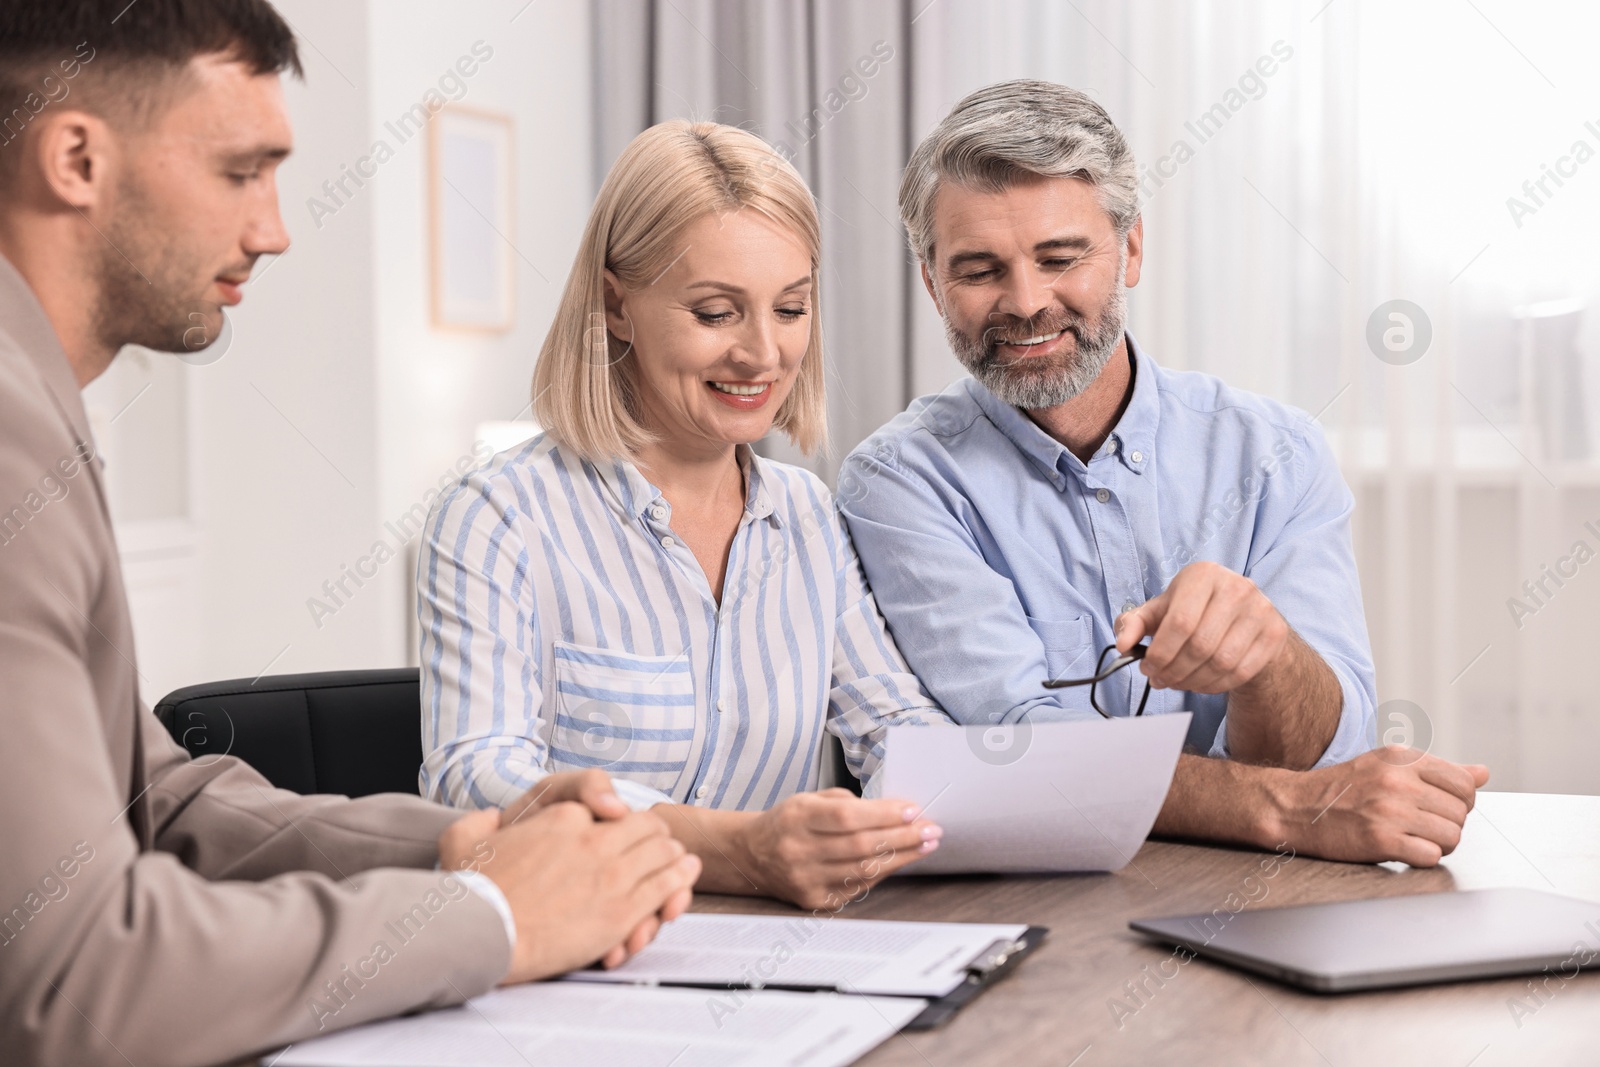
565 626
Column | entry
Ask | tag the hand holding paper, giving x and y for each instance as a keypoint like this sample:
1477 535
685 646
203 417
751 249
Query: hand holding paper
1063 796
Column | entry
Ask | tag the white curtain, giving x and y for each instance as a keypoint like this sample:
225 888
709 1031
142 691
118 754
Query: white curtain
1307 165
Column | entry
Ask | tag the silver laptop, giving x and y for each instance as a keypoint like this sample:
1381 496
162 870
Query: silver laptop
1396 941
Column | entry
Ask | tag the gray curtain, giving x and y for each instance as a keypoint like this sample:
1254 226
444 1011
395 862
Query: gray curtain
826 81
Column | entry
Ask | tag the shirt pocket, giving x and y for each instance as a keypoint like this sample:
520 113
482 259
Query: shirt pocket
626 714
1068 645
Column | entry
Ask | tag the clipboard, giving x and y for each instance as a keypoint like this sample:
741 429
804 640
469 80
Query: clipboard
983 971
996 960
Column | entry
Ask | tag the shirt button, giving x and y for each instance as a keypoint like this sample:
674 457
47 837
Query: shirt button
666 542
1136 456
722 705
658 512
700 794
1111 446
1102 495
1127 606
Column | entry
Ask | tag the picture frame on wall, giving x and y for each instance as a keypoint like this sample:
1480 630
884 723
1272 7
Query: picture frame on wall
471 220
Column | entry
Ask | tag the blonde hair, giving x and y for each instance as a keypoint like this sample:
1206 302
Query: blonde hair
670 176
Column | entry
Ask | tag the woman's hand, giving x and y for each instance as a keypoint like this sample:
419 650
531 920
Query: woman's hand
822 850
817 850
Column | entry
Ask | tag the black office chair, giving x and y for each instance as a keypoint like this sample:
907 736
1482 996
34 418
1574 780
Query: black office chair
348 732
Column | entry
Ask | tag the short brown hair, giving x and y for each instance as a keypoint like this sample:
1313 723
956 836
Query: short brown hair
112 52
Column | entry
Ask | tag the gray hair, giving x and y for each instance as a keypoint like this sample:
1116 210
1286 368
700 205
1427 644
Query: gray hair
1007 133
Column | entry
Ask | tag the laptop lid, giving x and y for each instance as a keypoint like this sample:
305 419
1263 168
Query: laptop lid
1396 941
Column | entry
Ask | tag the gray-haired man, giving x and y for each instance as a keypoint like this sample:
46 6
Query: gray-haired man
1072 495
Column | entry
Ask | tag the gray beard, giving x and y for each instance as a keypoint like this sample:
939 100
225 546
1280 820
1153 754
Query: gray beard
1046 384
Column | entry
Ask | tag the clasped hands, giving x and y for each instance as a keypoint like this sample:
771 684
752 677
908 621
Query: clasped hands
585 881
588 879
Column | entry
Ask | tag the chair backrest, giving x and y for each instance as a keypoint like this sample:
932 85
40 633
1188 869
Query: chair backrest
347 732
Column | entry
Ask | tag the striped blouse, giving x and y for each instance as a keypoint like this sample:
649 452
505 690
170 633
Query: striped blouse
564 626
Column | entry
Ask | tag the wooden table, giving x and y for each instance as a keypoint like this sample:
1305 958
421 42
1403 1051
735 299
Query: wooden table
1070 1002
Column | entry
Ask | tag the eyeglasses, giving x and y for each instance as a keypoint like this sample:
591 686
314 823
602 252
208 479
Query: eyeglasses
1104 670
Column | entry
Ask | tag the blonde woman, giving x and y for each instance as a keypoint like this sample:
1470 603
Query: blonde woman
635 590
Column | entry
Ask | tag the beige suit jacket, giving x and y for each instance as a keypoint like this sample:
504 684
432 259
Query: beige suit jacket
153 909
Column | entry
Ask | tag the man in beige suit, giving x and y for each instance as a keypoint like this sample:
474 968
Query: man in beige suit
156 910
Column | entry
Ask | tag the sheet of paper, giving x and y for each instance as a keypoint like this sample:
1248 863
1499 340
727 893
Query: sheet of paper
810 951
1064 796
619 1026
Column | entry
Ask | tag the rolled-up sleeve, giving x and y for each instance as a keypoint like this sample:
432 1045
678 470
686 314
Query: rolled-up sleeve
1303 560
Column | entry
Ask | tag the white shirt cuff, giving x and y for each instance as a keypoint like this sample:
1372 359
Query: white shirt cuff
638 796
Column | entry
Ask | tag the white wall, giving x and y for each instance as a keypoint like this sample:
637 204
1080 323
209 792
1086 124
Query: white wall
434 386
274 485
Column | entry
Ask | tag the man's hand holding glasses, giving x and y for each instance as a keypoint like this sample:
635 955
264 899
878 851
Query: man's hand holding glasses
1211 631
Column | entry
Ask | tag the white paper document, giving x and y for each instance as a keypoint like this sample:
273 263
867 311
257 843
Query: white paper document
810 952
1040 797
619 1026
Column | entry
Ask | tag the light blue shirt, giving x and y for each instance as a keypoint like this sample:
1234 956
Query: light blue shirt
1001 559
565 625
